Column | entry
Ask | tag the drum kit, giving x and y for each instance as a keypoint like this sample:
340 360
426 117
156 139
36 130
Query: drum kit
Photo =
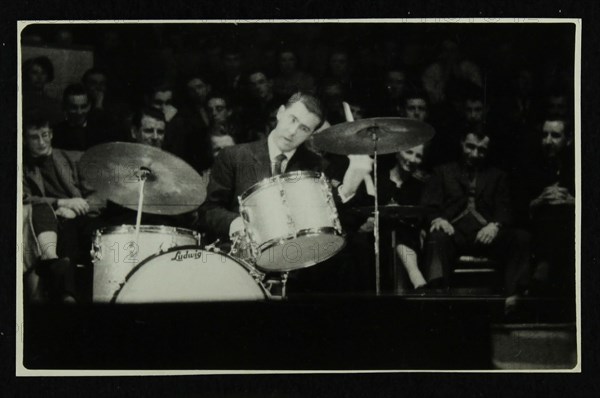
291 221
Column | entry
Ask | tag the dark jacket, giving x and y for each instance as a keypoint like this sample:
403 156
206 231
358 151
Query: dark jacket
446 193
235 170
65 163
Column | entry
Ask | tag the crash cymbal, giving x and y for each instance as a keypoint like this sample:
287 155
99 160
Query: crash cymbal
171 187
355 138
392 211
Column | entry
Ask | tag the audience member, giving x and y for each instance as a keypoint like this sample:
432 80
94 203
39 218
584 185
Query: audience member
290 79
470 204
37 73
552 210
83 127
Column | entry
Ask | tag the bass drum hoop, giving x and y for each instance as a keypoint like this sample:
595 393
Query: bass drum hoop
246 266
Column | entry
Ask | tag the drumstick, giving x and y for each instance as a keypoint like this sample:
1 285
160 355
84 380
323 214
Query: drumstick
368 180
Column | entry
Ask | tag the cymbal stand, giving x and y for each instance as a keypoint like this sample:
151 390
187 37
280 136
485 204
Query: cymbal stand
142 175
375 138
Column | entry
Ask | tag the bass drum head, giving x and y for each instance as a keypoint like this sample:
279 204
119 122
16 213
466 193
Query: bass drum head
189 274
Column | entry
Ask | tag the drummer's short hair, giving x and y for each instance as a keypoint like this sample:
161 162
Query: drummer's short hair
312 104
157 114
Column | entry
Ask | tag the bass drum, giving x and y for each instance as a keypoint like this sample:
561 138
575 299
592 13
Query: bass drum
190 274
115 253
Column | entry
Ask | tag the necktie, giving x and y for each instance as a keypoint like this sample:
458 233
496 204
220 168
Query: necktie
277 168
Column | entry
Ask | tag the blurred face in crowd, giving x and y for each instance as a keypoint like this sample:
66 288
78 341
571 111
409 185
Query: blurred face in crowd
162 100
77 108
219 142
475 150
38 140
358 112
557 106
151 131
272 120
261 87
96 84
218 110
554 137
287 62
198 90
332 96
524 82
474 111
338 63
395 84
37 77
416 108
410 159
232 63
295 125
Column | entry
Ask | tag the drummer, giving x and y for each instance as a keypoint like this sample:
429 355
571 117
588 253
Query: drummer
239 167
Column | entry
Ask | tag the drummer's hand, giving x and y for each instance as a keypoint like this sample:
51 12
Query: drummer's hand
444 225
78 205
368 226
65 213
359 167
236 225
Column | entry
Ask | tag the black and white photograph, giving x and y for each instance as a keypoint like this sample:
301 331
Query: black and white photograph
286 196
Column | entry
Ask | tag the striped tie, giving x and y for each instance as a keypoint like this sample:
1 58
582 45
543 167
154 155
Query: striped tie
277 168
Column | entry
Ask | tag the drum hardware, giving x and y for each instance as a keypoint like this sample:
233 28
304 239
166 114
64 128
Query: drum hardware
212 246
114 171
190 274
375 136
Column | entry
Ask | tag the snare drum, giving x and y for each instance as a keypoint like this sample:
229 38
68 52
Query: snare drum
291 221
190 274
115 252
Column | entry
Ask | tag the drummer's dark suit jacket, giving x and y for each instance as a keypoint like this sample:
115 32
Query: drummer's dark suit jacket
235 170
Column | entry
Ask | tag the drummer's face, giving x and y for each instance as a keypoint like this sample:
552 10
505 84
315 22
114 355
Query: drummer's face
151 132
294 125
410 159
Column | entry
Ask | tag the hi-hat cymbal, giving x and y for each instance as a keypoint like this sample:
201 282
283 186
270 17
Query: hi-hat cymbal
356 138
393 211
171 187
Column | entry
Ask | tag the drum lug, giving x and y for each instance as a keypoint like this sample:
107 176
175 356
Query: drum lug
96 250
290 221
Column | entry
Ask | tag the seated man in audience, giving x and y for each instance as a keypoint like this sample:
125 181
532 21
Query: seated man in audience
52 187
187 132
148 127
470 213
552 210
102 101
262 100
82 127
391 102
290 78
223 121
160 96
